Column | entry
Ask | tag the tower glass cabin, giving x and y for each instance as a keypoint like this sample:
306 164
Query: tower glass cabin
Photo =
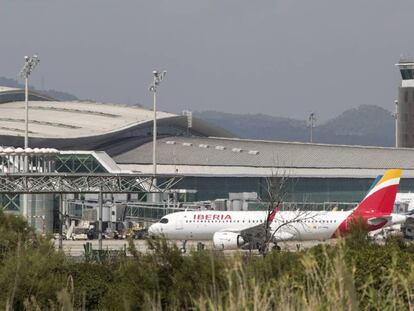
405 105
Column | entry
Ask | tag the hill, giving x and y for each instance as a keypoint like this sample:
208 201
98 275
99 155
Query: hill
366 125
52 93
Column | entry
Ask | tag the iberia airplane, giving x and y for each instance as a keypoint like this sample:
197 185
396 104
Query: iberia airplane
247 229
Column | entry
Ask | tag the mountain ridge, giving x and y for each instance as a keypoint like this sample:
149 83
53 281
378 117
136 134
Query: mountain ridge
52 93
367 125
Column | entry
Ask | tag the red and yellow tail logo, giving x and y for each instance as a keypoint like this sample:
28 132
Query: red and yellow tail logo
377 204
381 197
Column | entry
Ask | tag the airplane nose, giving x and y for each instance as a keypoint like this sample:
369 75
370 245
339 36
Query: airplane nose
153 230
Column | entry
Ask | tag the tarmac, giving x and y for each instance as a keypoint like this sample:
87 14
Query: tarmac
76 248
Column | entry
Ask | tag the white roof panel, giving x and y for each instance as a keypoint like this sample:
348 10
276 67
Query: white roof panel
55 119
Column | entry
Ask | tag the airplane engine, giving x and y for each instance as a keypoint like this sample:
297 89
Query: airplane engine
227 240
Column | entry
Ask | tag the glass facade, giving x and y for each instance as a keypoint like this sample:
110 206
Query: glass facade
78 163
150 211
312 190
407 74
10 202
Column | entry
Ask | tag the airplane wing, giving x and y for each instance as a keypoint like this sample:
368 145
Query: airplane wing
254 236
251 235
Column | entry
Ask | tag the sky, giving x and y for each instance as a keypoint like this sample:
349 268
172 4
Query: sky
281 58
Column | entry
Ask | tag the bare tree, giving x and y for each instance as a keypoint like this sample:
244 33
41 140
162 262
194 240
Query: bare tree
275 192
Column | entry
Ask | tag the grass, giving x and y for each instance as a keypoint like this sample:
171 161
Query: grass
354 274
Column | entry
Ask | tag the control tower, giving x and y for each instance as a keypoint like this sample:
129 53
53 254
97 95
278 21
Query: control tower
405 105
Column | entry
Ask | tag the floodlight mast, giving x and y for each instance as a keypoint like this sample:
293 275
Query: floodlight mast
158 77
395 115
30 62
312 121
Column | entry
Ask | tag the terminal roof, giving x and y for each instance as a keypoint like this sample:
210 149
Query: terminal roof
227 152
58 119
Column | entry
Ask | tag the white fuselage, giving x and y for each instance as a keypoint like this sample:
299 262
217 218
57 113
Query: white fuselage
289 225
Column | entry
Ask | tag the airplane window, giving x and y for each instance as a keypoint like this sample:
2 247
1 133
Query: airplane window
164 220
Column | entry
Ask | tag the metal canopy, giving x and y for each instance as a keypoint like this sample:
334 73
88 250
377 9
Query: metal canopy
83 183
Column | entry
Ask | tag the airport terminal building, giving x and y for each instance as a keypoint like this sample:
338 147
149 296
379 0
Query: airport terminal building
99 137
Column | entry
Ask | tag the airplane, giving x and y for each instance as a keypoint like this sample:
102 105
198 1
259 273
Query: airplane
248 230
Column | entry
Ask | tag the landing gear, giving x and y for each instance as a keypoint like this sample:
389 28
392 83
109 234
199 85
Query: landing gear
183 248
276 248
261 248
200 246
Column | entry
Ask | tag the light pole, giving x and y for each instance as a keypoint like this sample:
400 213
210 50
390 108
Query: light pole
30 62
189 115
312 120
395 115
158 77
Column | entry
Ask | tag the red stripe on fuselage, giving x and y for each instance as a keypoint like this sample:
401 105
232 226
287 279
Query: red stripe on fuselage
272 215
380 203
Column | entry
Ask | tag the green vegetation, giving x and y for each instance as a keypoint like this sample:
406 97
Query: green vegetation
354 274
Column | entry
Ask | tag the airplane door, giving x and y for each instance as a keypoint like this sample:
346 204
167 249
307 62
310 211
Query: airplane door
179 224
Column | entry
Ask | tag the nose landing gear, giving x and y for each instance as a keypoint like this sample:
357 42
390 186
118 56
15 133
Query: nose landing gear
183 248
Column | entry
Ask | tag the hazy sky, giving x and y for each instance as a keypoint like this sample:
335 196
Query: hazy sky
283 58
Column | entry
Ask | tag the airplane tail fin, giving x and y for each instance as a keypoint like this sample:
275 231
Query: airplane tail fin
381 197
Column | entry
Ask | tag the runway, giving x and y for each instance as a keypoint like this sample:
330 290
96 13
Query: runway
76 248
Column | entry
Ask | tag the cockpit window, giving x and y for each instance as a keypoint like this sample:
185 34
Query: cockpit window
164 220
